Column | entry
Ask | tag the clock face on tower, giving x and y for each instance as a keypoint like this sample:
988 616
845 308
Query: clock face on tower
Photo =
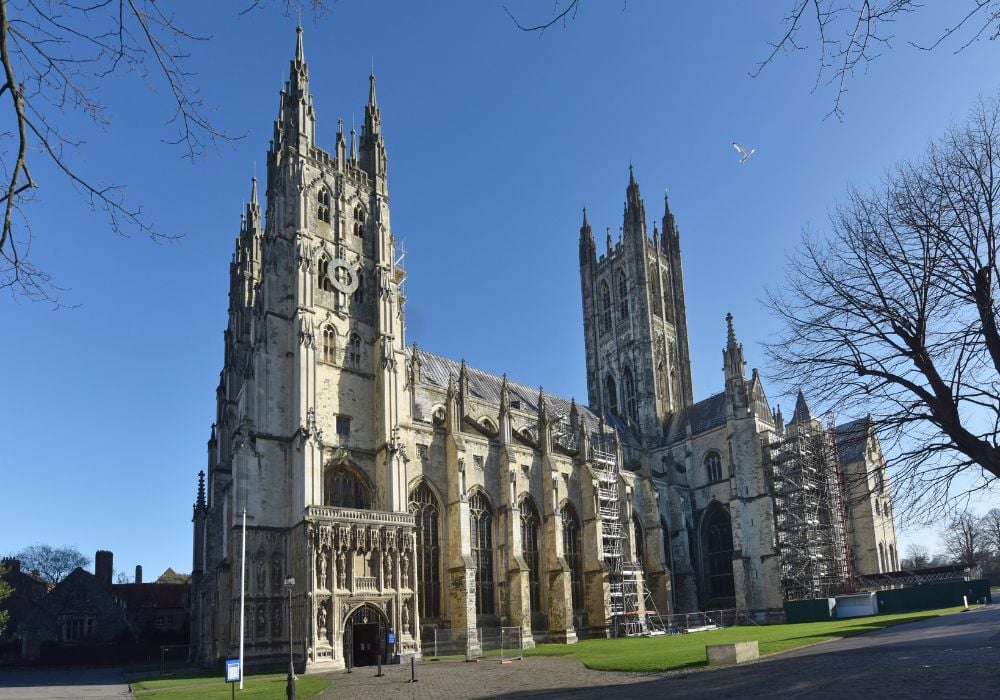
342 275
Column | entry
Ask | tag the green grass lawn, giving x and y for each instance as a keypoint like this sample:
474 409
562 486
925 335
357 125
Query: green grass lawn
203 685
672 652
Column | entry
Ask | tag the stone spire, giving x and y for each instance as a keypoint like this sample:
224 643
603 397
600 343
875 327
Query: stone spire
588 249
296 123
802 414
373 155
506 431
635 210
734 367
200 503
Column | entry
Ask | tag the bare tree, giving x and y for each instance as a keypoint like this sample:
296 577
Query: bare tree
895 313
845 36
963 539
991 530
56 58
918 556
53 563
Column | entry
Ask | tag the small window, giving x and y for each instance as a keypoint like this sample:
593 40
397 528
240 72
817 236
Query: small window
329 344
343 426
622 297
323 210
713 466
354 351
359 221
322 280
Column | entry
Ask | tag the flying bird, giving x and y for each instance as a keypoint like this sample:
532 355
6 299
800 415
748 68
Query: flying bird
743 152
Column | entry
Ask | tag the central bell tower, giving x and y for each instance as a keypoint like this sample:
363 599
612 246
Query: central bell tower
634 319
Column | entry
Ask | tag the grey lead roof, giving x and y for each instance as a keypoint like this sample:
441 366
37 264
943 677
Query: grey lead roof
702 415
851 440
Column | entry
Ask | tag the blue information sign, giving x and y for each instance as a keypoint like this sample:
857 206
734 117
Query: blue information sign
232 670
392 638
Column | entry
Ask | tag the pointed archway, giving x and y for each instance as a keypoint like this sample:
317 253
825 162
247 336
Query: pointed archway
365 630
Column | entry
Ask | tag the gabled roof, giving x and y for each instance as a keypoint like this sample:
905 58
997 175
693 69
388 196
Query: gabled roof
702 415
852 438
436 371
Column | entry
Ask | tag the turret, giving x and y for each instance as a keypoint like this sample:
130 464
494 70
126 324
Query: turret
734 367
635 210
588 249
295 126
373 155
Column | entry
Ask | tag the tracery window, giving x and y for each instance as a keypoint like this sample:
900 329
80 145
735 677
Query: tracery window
571 550
713 466
529 545
631 408
344 489
323 210
656 291
329 344
359 221
605 307
354 351
612 395
424 507
622 297
322 281
481 516
719 554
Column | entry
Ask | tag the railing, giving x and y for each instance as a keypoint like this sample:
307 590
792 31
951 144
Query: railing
365 583
363 517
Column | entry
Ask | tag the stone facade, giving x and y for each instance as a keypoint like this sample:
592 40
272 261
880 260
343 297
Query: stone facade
404 491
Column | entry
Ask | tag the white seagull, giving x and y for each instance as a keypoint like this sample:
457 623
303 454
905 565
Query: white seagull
743 152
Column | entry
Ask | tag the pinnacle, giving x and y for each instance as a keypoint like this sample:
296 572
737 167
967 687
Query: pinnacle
730 332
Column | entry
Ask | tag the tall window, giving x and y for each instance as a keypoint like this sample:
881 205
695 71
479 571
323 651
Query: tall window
354 351
323 210
668 309
571 550
612 395
322 281
359 221
329 344
344 489
482 551
605 307
425 511
713 466
656 291
359 293
640 545
529 544
719 554
631 407
893 563
622 297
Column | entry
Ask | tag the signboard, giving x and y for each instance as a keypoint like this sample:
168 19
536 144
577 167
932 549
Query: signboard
232 670
391 638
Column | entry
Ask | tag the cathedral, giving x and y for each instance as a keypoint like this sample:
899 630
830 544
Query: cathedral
388 491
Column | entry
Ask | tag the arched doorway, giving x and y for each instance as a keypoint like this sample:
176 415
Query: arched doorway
364 635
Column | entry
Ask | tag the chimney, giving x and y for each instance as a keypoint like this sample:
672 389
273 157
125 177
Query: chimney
138 573
104 566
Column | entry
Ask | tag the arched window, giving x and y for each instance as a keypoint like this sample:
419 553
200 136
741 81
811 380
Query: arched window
529 545
424 508
631 408
612 395
571 550
640 544
359 221
329 344
713 466
893 564
656 291
718 545
359 293
344 489
354 351
481 516
878 510
323 210
605 307
881 558
322 281
622 297
668 309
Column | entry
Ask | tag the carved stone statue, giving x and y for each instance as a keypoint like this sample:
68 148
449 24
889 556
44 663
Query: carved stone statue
404 564
321 620
341 577
406 616
322 568
387 569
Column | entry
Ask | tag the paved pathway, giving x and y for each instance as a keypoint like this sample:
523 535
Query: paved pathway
948 657
88 683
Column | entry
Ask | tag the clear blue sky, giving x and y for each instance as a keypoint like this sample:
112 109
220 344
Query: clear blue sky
496 140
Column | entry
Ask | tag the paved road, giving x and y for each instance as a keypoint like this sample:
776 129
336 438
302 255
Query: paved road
948 657
63 683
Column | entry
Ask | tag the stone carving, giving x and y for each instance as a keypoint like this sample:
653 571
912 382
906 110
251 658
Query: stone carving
276 575
322 568
341 582
321 620
261 576
406 616
387 569
404 563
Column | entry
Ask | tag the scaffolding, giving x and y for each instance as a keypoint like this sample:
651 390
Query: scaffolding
809 512
631 610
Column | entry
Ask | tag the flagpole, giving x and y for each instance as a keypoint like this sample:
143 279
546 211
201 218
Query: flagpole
243 588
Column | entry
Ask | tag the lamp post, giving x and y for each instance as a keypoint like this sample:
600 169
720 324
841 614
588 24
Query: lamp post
290 690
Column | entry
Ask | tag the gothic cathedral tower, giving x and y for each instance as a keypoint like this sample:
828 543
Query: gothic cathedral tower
635 326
